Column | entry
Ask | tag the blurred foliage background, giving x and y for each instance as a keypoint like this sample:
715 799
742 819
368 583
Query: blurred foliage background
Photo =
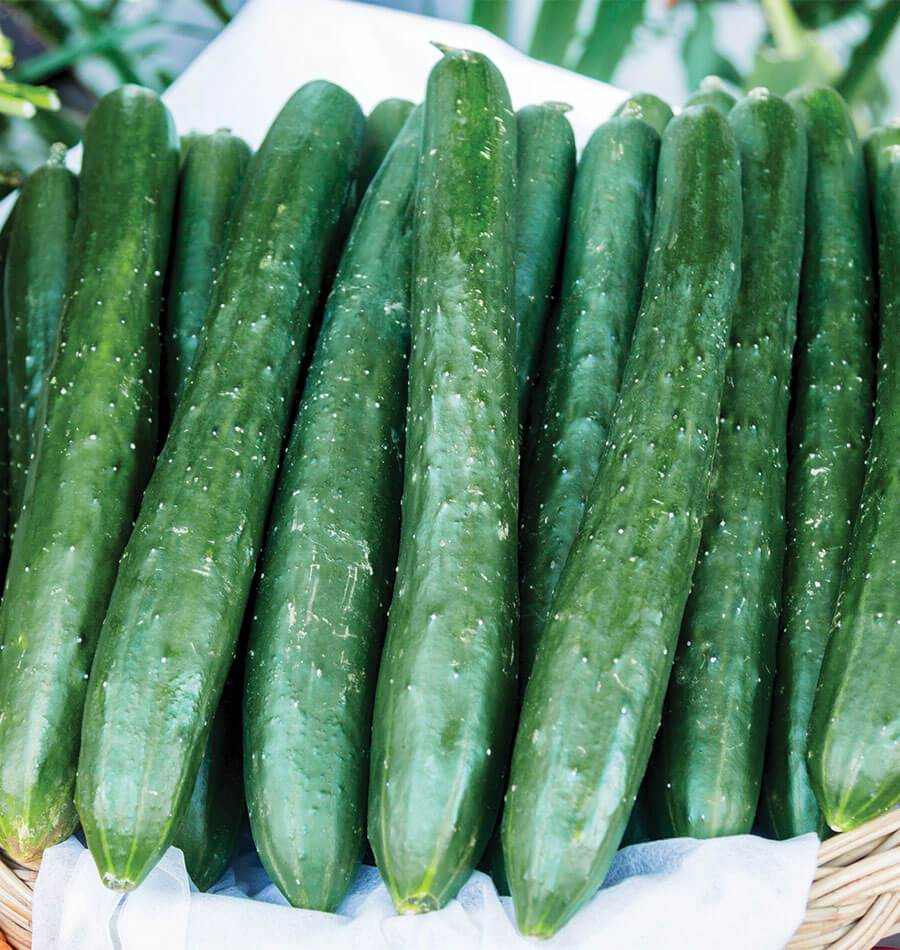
76 50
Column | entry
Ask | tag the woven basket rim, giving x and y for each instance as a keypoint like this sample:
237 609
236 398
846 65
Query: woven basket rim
854 900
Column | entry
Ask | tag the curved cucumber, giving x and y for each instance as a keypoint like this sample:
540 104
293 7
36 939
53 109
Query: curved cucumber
707 762
445 701
35 281
595 695
94 452
854 730
171 629
712 92
210 179
545 169
831 419
606 251
328 568
644 105
383 125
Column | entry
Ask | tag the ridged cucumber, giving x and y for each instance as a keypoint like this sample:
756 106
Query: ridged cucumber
171 629
854 729
208 185
831 418
94 452
712 92
706 769
328 569
596 691
445 701
650 108
606 251
382 127
545 169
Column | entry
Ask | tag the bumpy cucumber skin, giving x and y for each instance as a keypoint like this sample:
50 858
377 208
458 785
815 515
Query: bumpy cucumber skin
208 186
593 702
545 170
606 251
854 729
171 629
831 416
644 105
94 452
445 700
5 233
383 125
33 288
707 762
320 611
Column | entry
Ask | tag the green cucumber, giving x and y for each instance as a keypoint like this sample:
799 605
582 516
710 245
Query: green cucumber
35 281
94 453
831 419
593 702
172 626
208 186
606 251
5 233
644 105
878 156
713 92
383 125
327 572
707 762
544 173
854 729
445 700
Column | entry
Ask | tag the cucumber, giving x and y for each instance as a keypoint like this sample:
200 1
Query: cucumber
172 626
831 419
208 186
35 281
445 700
878 156
713 92
596 691
650 108
94 453
327 572
5 233
382 126
606 251
854 729
707 762
544 171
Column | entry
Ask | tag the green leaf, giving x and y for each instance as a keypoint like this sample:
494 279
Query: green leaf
868 51
491 15
699 53
614 27
555 30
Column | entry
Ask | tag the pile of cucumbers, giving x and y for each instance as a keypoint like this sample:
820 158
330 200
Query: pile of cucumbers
271 547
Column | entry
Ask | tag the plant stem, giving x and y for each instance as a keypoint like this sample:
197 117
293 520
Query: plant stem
491 15
867 52
611 35
554 31
787 30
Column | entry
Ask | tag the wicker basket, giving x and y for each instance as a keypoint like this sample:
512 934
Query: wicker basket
854 900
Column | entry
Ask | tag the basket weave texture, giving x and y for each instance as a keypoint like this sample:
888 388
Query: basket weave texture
854 900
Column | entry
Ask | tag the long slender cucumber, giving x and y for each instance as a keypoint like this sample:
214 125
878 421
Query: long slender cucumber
5 233
383 125
593 702
707 762
831 419
606 251
94 452
854 729
172 626
544 174
320 611
644 105
445 700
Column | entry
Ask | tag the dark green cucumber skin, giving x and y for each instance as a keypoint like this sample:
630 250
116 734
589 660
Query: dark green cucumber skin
712 94
172 626
707 763
321 604
593 702
33 287
585 353
383 125
208 186
445 700
878 155
644 105
5 233
831 417
854 729
94 452
544 175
